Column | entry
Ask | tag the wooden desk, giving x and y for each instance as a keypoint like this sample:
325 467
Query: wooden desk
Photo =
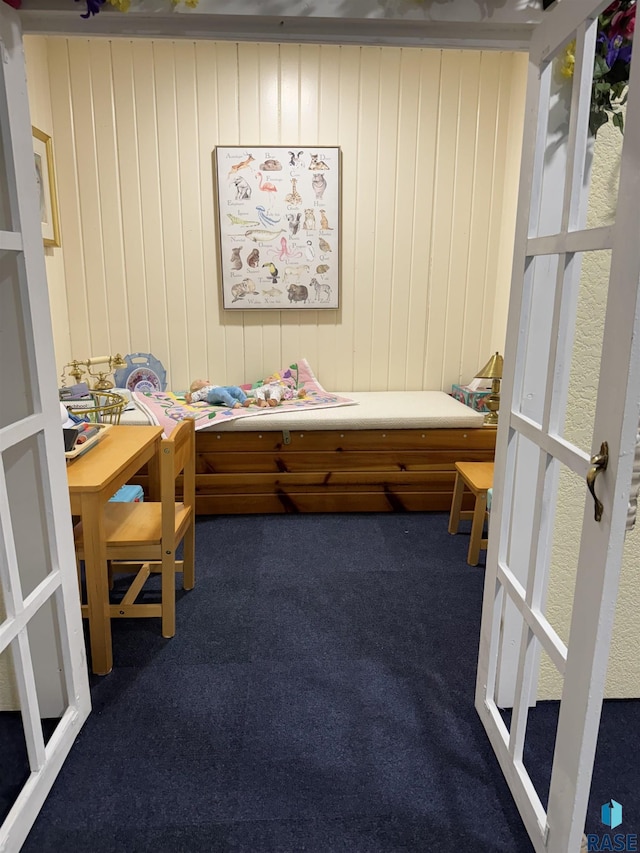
94 478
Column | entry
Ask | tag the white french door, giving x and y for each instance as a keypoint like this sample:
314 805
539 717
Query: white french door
43 672
537 451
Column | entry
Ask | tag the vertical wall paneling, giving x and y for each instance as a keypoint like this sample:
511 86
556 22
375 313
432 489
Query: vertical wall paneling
403 220
229 124
327 128
69 200
466 144
151 194
515 67
268 110
171 185
423 214
347 96
447 122
269 116
37 59
366 237
249 111
207 123
80 52
108 172
472 355
430 142
384 248
309 128
136 327
190 206
293 339
494 238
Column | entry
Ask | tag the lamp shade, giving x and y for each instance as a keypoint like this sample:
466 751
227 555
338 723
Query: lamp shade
492 369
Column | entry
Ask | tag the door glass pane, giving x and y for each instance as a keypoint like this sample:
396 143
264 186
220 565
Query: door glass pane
603 174
16 391
45 644
542 723
554 168
541 715
567 513
522 507
576 425
5 209
599 190
23 468
537 312
15 768
542 709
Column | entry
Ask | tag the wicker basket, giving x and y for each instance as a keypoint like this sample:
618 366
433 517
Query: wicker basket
105 407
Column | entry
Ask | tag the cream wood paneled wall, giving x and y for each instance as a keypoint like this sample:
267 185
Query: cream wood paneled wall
430 150
36 56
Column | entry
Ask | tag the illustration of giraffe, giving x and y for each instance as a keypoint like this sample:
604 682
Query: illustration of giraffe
294 196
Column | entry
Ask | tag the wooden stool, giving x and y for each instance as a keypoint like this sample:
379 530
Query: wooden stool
478 477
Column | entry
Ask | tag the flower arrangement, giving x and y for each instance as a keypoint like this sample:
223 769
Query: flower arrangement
611 65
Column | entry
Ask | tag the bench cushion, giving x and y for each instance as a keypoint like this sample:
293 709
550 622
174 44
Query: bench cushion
374 410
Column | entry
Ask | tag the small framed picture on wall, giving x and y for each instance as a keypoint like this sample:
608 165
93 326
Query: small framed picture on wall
45 177
278 223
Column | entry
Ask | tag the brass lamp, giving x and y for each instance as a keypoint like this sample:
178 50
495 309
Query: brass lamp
493 371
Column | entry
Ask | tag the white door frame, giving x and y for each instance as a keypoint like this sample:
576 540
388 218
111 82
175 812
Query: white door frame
37 433
504 650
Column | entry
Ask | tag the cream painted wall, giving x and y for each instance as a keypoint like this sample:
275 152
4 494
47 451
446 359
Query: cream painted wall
623 676
430 144
40 106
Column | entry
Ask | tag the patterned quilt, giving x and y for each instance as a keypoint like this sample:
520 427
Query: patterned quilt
166 409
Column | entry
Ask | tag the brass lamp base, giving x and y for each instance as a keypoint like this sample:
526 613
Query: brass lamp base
493 403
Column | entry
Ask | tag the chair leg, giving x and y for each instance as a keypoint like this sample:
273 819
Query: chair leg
168 581
189 567
477 527
456 504
79 571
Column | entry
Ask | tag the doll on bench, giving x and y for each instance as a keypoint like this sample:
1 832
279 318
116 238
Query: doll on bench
217 395
273 393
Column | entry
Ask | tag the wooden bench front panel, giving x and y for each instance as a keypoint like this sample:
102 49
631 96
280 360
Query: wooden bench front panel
333 470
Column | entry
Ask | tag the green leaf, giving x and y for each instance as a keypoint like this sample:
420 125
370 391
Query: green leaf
618 88
596 119
618 120
602 86
601 68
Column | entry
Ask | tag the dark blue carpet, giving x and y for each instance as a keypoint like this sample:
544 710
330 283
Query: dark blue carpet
318 696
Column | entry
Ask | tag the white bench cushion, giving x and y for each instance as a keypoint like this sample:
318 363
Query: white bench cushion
374 410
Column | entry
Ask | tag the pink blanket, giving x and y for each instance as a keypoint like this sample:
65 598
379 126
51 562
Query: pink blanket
166 409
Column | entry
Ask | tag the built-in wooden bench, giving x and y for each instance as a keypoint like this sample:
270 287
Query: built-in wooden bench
393 451
334 471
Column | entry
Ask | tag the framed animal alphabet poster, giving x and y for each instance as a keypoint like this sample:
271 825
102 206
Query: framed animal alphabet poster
278 219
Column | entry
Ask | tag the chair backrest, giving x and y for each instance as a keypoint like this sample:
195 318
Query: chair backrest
177 456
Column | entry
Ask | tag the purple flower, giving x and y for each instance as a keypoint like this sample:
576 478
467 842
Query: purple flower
93 7
613 49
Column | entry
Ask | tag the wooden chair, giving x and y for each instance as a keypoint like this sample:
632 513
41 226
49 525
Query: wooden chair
478 478
146 535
